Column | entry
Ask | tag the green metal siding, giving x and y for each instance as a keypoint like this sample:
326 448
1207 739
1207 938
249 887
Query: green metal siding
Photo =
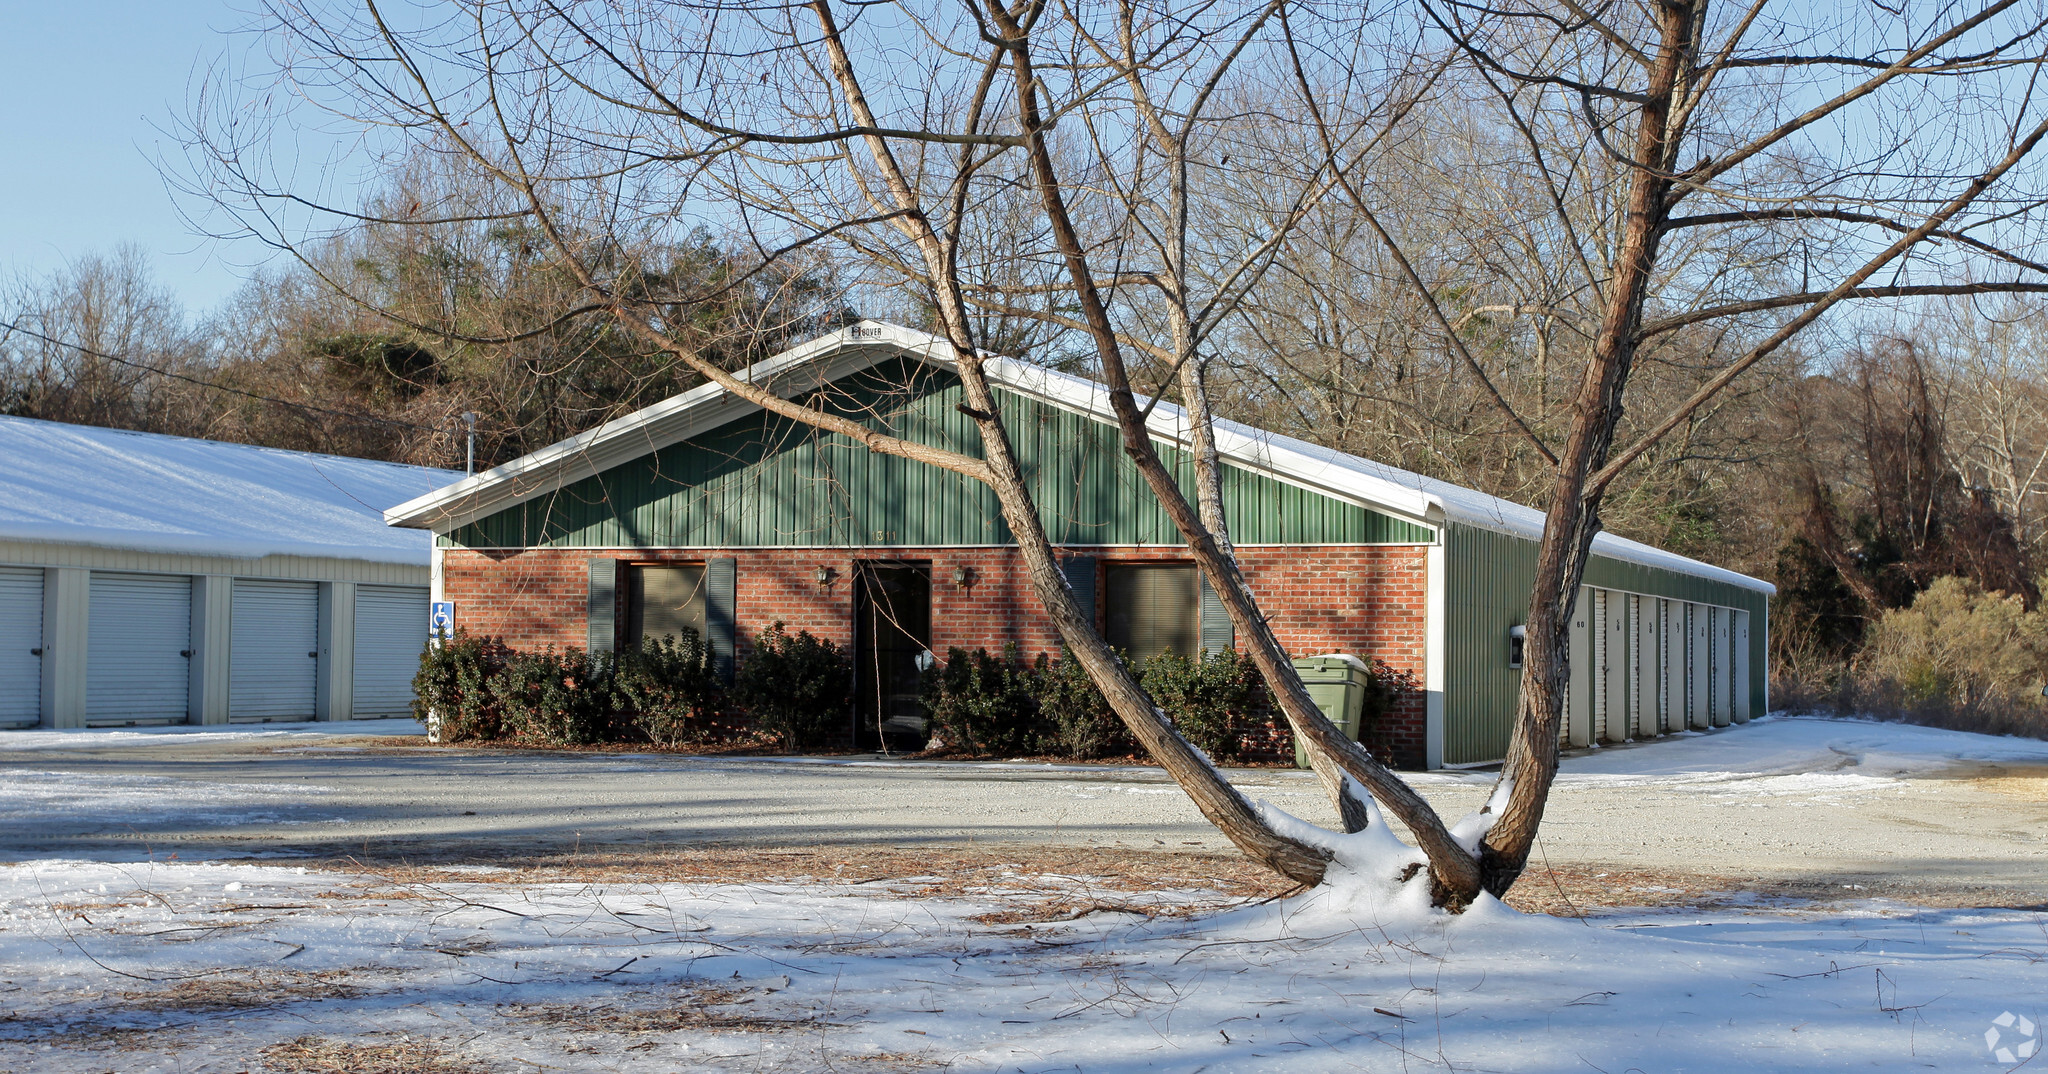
767 481
1486 591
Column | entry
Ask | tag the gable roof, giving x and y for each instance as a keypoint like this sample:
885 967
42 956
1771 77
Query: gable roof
1323 470
145 492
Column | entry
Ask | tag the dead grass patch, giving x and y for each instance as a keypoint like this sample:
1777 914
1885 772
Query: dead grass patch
942 871
888 1061
81 1035
1054 910
332 1055
2024 788
243 991
1050 882
708 1007
1576 890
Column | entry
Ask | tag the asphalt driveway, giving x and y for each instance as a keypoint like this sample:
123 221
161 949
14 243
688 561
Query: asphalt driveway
1788 800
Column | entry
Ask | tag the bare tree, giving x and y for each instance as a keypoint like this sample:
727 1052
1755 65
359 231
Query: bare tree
903 136
1082 170
1741 184
90 344
1992 357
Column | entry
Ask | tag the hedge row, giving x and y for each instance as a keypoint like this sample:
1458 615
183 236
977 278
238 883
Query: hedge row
981 703
794 689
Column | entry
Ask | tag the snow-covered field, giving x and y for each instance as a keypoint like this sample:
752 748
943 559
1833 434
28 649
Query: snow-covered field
198 966
204 967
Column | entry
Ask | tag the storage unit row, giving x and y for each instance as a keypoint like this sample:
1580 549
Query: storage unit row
82 647
1643 666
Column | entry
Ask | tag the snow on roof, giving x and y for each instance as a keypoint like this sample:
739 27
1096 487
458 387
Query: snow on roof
110 488
1335 473
1350 477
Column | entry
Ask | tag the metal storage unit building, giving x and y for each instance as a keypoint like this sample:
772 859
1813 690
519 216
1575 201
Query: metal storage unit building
539 550
152 579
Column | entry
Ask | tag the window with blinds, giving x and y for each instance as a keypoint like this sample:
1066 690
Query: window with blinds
665 601
1153 607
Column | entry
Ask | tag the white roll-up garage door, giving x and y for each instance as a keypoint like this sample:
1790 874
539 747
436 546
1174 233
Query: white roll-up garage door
1699 675
1671 640
139 637
275 667
1614 656
21 639
1740 662
1578 713
1643 653
1599 640
391 631
1721 702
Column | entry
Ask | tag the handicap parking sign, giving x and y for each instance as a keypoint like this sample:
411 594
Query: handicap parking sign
442 622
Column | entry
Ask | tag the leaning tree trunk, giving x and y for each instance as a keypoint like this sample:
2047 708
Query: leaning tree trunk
1221 803
1574 515
1455 871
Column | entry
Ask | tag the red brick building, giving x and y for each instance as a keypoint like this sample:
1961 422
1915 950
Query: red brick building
706 512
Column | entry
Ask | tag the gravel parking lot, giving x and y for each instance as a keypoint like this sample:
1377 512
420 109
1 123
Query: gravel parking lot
1817 802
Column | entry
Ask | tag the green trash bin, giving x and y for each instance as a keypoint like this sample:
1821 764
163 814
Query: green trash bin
1338 687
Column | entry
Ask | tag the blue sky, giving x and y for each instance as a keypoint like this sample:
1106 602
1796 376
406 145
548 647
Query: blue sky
83 82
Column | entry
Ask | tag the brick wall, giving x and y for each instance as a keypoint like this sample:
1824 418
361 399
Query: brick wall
1369 601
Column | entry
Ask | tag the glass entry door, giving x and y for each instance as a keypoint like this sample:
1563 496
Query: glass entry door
892 631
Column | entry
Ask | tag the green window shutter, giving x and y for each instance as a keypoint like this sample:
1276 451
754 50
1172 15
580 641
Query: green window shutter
1080 572
602 605
721 591
1219 635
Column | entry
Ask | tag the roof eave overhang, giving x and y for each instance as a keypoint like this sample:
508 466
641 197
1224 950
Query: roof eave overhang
825 359
671 421
820 362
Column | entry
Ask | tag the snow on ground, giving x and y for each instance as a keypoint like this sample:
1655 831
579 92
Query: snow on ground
1785 756
279 734
201 967
1800 745
221 966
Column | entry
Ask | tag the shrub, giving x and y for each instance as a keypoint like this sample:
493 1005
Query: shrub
987 704
561 700
797 688
1959 657
1384 685
1077 719
981 703
669 686
451 692
1214 700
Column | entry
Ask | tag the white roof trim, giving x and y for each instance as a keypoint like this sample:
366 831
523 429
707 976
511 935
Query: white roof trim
827 358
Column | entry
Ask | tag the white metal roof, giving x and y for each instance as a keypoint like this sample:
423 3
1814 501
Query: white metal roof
1325 470
111 488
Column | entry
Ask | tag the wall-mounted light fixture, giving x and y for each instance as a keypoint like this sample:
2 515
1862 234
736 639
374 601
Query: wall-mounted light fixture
824 575
962 576
1516 636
